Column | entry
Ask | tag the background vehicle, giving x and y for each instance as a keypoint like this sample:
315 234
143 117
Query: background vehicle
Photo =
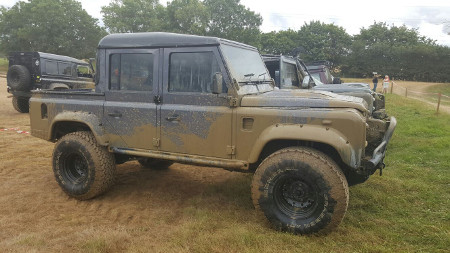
292 73
36 70
162 98
321 71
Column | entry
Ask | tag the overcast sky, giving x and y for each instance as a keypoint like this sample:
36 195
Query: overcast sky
431 17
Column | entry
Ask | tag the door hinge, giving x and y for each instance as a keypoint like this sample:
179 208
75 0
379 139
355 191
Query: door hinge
231 150
157 99
233 101
156 142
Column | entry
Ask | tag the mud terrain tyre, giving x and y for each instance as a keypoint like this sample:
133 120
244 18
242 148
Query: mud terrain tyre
156 164
21 104
301 191
83 169
19 78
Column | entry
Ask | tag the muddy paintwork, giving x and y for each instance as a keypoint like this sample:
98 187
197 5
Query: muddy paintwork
228 130
303 99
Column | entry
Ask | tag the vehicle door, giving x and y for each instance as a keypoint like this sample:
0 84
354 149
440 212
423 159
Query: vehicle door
130 112
289 77
193 119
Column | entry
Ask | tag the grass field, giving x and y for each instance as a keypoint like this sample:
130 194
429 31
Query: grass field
443 88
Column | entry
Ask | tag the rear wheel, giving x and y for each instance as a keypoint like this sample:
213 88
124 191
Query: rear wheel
21 104
301 191
83 169
156 164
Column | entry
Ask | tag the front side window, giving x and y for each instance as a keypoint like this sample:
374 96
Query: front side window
64 69
131 72
192 72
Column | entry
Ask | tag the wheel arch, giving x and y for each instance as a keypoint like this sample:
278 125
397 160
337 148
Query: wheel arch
58 86
324 139
69 122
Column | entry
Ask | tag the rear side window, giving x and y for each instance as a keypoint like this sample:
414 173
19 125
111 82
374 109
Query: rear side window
51 67
192 72
58 68
131 72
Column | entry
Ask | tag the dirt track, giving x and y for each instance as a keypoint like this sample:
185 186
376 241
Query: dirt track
142 211
419 91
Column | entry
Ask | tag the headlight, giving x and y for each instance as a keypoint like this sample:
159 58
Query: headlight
36 62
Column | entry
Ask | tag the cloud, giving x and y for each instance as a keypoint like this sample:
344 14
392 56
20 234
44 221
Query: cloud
277 20
435 15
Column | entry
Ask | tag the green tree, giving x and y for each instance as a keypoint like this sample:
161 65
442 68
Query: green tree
324 42
399 52
394 36
221 18
54 26
187 16
231 20
282 42
130 16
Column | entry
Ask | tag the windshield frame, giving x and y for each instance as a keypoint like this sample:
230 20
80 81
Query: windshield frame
258 82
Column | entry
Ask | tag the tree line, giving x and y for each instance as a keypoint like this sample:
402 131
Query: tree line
63 27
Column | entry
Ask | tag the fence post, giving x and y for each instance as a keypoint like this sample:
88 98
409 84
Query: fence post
392 87
439 103
406 92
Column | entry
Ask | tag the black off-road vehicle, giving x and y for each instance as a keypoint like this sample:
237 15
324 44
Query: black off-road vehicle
35 70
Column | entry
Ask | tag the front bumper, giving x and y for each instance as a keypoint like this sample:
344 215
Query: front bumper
380 151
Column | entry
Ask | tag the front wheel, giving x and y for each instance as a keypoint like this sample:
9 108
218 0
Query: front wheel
300 190
83 169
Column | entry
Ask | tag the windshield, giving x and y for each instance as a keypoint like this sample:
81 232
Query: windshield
245 65
316 76
316 81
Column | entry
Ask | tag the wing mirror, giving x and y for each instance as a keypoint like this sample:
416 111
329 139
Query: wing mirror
216 87
305 83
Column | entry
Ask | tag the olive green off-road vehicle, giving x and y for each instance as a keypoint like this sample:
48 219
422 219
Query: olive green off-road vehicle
162 98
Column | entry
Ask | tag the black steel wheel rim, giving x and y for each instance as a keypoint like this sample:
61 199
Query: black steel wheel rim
75 168
296 197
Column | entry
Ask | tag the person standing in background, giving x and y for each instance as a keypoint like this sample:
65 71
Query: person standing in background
385 84
375 82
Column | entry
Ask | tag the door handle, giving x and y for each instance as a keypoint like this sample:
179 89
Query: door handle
173 117
115 114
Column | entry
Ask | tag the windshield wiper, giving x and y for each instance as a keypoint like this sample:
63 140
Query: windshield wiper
254 82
